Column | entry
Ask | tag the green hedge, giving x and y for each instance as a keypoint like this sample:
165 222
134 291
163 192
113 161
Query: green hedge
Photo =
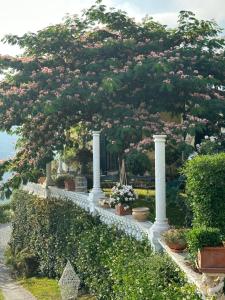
206 190
5 213
110 264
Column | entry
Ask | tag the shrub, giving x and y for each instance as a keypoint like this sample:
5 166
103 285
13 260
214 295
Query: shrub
200 237
5 213
206 190
175 236
111 265
137 163
177 207
60 180
50 228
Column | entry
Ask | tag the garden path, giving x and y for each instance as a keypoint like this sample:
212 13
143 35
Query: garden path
10 289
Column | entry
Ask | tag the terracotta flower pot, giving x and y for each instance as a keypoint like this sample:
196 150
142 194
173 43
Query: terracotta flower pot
122 210
212 260
69 184
140 214
176 247
103 203
41 179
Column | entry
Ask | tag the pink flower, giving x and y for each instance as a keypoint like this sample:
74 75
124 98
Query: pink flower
46 70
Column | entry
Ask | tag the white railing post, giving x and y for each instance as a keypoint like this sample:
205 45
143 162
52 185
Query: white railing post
161 222
96 193
60 167
48 181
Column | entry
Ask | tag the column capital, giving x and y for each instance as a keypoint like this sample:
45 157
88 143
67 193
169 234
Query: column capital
96 132
159 137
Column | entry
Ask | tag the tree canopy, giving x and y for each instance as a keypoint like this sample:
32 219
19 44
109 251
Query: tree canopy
104 70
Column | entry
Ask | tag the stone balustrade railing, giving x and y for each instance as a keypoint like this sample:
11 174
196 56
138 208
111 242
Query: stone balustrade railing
127 224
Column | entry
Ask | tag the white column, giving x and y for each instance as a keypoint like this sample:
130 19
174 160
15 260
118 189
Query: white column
161 222
60 168
160 182
96 192
49 181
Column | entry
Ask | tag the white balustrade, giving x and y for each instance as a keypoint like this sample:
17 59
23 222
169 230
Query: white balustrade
127 224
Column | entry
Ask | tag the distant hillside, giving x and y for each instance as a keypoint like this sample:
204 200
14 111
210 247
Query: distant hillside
7 145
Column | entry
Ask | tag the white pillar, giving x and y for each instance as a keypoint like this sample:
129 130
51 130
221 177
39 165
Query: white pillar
49 181
161 222
60 168
96 193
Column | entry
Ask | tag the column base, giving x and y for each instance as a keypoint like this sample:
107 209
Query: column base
48 182
155 233
93 198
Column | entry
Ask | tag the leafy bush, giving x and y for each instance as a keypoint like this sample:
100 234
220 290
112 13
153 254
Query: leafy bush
50 228
175 236
137 163
111 265
24 263
177 207
60 180
5 213
206 190
200 237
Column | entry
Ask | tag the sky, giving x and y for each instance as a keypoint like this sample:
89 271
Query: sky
21 16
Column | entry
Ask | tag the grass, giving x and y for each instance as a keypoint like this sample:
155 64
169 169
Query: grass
45 289
140 192
1 296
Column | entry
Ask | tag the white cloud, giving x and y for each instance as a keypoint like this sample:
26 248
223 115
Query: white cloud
169 19
207 9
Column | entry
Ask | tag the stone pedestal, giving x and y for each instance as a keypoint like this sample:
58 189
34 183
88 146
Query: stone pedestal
96 193
213 284
49 181
161 223
60 167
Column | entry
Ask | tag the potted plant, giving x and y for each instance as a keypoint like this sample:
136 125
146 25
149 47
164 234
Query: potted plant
59 181
41 179
206 246
121 197
104 202
175 239
69 183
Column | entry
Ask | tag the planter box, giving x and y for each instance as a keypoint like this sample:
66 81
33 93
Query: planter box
41 180
178 248
121 211
69 185
212 260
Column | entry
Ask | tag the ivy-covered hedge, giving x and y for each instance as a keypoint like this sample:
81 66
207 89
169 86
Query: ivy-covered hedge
206 190
5 213
110 264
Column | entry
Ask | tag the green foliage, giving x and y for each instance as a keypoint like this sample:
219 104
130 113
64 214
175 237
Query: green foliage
110 264
5 213
50 228
137 163
177 206
59 181
200 237
23 263
1 295
42 288
206 190
104 70
175 236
